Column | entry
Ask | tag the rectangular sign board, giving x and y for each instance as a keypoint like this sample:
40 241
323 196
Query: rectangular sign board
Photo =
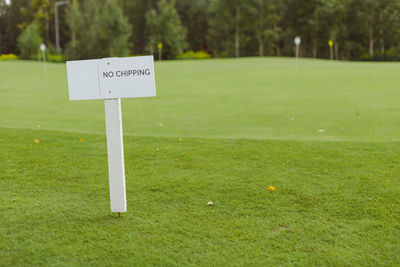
109 78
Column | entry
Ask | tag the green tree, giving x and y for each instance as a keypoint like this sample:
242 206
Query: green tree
97 29
114 30
75 22
379 16
327 25
264 20
136 11
41 12
165 27
228 28
29 41
14 18
194 15
3 25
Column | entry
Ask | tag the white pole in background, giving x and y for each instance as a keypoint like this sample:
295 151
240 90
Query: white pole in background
56 5
43 49
115 148
297 42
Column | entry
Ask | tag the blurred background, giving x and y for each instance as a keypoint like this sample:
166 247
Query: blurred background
339 29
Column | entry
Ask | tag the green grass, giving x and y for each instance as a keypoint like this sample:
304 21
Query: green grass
246 124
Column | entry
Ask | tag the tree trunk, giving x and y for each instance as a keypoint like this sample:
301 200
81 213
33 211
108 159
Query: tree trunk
371 41
278 50
382 41
73 42
237 33
260 45
47 29
314 50
336 50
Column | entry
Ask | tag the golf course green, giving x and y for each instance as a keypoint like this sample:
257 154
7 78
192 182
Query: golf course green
325 134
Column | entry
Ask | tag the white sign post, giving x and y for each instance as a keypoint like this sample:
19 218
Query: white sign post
112 79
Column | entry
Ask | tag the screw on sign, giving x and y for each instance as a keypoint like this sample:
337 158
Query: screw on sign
112 79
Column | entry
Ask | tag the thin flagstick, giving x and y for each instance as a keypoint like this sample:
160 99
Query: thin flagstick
44 61
297 57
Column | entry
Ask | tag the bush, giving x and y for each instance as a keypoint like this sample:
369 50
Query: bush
389 55
29 41
365 56
58 58
8 57
194 55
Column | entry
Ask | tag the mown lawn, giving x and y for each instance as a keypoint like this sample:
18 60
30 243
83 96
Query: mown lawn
326 137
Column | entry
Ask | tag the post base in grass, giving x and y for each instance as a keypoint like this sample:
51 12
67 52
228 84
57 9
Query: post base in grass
115 148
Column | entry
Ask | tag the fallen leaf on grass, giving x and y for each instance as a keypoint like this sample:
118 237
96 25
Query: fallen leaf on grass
280 229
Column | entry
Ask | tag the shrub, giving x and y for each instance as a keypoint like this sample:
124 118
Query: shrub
29 41
392 54
8 57
365 56
194 55
55 58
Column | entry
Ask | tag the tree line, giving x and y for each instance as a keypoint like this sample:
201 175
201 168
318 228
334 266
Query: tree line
359 29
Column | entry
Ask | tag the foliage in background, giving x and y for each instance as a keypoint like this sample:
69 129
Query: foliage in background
29 41
42 13
165 27
55 58
194 16
194 55
3 24
360 29
8 57
114 30
97 30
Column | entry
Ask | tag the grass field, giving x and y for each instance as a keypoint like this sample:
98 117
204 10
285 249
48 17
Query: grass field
326 136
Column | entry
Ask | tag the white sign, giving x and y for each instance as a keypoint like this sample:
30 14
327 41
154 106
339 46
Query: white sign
297 40
111 78
42 47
